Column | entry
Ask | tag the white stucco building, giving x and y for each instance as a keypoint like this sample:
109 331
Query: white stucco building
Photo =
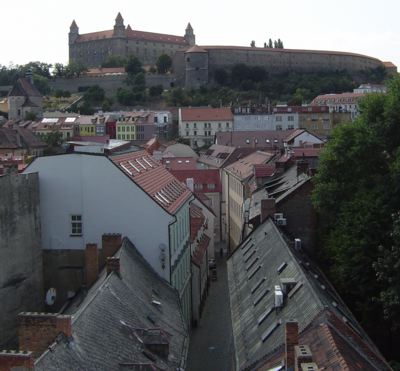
200 124
84 195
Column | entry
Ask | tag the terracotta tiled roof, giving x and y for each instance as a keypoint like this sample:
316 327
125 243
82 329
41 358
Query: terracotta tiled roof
179 163
197 219
243 168
325 99
133 34
202 178
259 139
153 178
200 250
196 49
306 152
206 114
264 170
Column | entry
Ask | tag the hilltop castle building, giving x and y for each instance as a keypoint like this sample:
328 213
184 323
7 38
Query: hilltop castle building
194 65
92 49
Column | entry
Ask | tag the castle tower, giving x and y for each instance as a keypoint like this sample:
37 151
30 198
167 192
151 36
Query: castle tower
119 28
196 67
73 32
189 35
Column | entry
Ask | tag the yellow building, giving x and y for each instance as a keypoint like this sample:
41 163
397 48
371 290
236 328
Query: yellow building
236 183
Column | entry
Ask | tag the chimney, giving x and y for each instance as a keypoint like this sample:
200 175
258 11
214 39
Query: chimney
91 264
36 331
13 360
302 355
291 340
112 265
302 167
267 208
111 243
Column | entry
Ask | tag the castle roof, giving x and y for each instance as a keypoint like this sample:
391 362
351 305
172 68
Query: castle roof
196 49
133 34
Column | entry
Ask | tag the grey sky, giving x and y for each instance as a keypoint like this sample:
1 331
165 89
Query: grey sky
37 29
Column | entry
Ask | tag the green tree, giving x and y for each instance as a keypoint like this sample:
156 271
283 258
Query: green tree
125 97
114 61
41 84
270 44
133 65
221 76
94 95
164 63
253 44
156 91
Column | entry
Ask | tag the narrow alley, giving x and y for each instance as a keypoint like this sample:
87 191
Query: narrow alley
211 342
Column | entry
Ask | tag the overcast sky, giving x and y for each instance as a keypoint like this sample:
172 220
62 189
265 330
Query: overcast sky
38 29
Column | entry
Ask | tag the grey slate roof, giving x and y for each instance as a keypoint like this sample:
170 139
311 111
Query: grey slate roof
107 326
23 88
262 261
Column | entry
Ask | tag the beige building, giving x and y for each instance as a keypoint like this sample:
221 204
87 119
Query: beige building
199 125
236 188
24 98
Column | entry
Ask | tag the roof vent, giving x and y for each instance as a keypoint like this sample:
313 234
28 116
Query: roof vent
278 297
287 284
297 244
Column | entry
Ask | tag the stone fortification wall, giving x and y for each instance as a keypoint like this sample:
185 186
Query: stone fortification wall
109 83
21 277
289 60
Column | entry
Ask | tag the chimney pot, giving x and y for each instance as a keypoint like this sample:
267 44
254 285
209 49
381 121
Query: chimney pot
12 359
302 355
267 208
37 331
111 243
291 340
112 264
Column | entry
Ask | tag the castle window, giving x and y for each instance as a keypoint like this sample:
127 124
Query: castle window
187 59
76 225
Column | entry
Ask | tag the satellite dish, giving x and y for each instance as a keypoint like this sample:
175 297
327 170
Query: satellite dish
51 296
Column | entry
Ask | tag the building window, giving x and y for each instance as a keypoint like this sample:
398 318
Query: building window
187 133
211 186
76 225
198 186
187 126
195 125
195 133
278 127
290 118
219 125
278 118
227 124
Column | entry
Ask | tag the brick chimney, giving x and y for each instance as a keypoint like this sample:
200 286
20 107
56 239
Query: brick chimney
112 265
111 243
291 340
13 359
267 208
36 331
302 354
91 264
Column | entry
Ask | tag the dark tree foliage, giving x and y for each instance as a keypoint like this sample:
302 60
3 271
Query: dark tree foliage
133 65
114 61
164 63
357 191
94 95
221 76
156 91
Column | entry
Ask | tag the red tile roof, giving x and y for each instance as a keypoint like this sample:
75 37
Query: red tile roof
243 168
133 34
202 178
179 163
197 219
206 114
264 170
153 178
259 139
200 250
306 152
325 99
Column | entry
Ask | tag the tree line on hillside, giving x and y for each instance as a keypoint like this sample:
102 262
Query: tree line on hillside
357 197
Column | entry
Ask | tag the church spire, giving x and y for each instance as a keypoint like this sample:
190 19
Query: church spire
119 21
189 35
73 27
